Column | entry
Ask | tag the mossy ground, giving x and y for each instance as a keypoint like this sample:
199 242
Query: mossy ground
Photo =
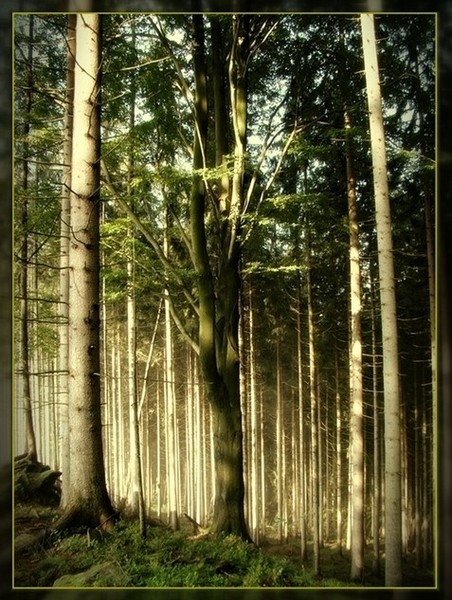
178 559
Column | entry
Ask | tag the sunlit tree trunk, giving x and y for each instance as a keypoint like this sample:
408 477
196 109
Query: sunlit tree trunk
87 498
376 500
263 494
170 407
279 442
302 474
137 492
338 458
64 254
254 470
158 481
218 323
314 429
393 544
356 378
320 461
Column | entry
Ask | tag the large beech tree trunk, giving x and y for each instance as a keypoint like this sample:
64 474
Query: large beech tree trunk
219 296
87 500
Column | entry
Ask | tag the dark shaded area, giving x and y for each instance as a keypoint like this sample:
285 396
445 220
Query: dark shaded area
444 285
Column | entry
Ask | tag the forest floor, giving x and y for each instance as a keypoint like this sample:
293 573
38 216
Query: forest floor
173 559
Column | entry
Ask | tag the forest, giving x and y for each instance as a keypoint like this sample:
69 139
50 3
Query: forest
224 300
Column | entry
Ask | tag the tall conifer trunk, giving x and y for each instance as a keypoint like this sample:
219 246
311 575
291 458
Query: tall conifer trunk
87 498
356 379
31 446
393 508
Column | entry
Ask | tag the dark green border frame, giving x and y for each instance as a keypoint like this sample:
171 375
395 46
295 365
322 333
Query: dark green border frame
444 282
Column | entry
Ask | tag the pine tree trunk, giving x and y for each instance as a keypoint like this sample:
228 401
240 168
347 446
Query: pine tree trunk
170 422
314 431
63 330
87 498
279 443
134 425
393 541
30 436
356 378
254 467
338 458
376 437
302 465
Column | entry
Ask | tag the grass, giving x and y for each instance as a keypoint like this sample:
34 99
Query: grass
174 559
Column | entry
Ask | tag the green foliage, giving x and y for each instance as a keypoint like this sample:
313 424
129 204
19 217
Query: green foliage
165 559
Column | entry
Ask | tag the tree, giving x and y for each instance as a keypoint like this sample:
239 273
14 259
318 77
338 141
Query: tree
356 381
31 450
87 498
393 526
64 247
218 323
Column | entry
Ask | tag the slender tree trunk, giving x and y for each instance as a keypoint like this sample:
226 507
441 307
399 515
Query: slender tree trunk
170 422
30 436
302 464
320 460
417 484
134 426
393 545
338 458
159 455
87 497
254 471
356 378
314 431
279 443
376 436
63 330
263 463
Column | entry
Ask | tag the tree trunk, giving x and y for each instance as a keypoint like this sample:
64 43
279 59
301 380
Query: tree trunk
31 447
63 330
170 422
314 430
376 436
218 324
279 444
254 466
87 498
134 426
393 544
356 378
302 463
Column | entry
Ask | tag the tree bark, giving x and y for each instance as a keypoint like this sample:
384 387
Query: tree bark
30 436
302 442
356 378
376 509
393 525
314 429
63 330
88 502
137 490
219 316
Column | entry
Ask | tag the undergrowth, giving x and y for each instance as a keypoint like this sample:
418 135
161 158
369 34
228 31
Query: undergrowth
171 559
163 559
